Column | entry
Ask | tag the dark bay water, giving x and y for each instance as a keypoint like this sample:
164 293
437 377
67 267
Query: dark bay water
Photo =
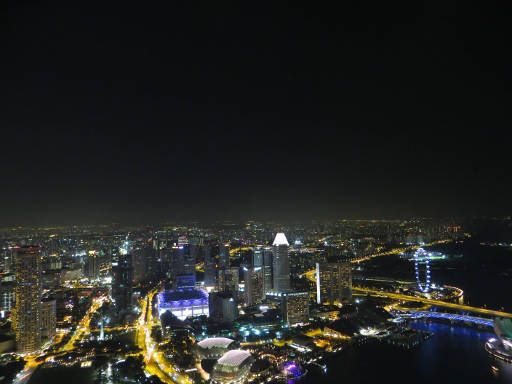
453 354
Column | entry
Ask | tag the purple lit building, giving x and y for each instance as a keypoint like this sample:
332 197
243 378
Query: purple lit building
183 303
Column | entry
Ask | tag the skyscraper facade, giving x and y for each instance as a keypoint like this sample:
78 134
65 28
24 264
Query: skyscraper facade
122 280
228 281
48 319
333 282
253 285
27 313
223 307
267 269
224 256
281 263
209 267
295 308
257 256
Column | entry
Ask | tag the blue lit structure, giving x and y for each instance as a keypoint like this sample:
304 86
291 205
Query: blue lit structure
422 254
452 317
293 370
183 303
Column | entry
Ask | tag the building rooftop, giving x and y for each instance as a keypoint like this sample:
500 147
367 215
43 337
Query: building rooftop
234 358
212 342
280 240
182 297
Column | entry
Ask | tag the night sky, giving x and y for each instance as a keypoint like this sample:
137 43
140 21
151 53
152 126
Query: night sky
262 110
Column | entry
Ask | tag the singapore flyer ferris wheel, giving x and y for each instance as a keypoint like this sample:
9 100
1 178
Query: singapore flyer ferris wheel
422 256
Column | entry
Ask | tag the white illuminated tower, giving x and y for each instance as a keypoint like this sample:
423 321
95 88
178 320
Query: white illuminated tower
281 263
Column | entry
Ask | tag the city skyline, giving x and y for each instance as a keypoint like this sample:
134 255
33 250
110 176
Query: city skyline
255 193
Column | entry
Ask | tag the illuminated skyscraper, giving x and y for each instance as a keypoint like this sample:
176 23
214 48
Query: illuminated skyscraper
253 290
294 306
7 297
267 269
122 279
333 282
92 265
48 319
257 256
209 267
27 313
281 263
223 307
224 256
228 281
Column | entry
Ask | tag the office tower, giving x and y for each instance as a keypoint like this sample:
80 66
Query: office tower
7 260
257 257
296 308
209 267
92 265
267 269
145 264
122 278
268 280
183 266
223 307
26 321
281 263
224 256
228 281
140 266
7 297
333 282
189 259
48 319
176 261
253 291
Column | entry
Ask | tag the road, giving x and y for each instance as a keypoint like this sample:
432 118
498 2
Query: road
438 303
83 326
156 363
397 251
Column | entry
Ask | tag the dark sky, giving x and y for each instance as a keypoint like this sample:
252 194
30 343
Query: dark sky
262 110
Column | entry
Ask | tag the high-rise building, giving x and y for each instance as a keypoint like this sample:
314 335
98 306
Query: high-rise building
27 313
189 259
228 281
48 319
294 306
267 269
224 256
223 307
7 296
209 267
333 282
257 256
122 280
7 260
146 266
281 263
92 265
253 285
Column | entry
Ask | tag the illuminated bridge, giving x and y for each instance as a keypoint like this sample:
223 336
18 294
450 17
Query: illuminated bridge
451 317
